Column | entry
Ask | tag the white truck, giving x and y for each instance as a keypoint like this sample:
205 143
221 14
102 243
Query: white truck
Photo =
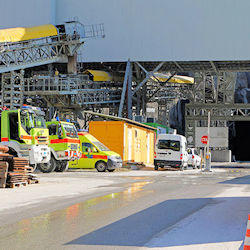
171 150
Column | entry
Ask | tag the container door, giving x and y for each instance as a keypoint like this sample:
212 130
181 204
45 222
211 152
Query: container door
148 148
129 144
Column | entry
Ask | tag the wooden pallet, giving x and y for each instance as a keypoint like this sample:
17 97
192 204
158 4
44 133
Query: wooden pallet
33 181
16 184
15 172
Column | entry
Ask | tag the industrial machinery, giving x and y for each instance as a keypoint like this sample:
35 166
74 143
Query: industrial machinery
24 132
22 48
64 145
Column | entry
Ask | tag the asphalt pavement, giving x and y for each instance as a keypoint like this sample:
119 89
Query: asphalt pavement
143 209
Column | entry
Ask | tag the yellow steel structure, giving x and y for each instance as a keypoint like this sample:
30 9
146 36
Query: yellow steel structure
27 33
134 143
98 75
175 79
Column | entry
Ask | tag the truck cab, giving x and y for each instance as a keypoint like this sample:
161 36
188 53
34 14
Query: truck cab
25 133
64 144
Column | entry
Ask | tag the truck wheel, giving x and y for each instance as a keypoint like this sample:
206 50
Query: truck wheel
47 167
62 166
156 167
101 166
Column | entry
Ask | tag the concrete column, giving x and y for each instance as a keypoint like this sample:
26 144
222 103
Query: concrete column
138 104
72 64
144 101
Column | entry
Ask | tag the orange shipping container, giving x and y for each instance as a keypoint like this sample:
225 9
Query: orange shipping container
133 141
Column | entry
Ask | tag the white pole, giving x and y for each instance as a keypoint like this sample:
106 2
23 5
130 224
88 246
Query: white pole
208 155
208 130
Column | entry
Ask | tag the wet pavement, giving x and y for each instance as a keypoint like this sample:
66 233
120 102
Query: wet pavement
122 220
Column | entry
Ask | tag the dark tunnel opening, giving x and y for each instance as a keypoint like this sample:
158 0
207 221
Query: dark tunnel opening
239 139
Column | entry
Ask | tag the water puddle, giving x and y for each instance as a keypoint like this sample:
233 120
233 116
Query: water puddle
67 223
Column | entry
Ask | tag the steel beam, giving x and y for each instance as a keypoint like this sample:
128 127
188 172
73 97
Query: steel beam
148 75
129 94
124 89
213 66
15 56
161 83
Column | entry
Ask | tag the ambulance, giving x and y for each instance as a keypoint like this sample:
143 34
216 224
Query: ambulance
95 155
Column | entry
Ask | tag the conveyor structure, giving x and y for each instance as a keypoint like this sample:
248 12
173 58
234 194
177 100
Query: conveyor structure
22 48
71 92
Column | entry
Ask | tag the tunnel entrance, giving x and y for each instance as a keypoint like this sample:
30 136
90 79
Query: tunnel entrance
239 139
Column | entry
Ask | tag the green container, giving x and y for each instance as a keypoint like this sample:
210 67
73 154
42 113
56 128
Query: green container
161 129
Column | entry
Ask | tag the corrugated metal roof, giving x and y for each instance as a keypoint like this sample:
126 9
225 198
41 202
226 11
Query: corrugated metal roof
180 66
99 75
115 118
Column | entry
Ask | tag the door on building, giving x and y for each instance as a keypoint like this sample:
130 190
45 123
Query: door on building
129 144
148 148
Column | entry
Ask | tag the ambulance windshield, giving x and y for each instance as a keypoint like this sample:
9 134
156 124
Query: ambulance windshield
100 146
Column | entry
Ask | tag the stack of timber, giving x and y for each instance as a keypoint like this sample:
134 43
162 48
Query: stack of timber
3 174
4 166
14 171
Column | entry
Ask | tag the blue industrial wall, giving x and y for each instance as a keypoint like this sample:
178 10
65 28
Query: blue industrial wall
18 13
147 30
168 30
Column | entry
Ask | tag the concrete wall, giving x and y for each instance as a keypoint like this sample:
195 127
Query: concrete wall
221 156
218 136
155 30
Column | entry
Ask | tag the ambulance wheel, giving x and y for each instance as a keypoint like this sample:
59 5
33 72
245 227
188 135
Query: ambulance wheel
156 167
47 167
62 166
111 170
101 166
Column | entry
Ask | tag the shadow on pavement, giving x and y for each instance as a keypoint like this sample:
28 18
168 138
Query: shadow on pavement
139 228
238 180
